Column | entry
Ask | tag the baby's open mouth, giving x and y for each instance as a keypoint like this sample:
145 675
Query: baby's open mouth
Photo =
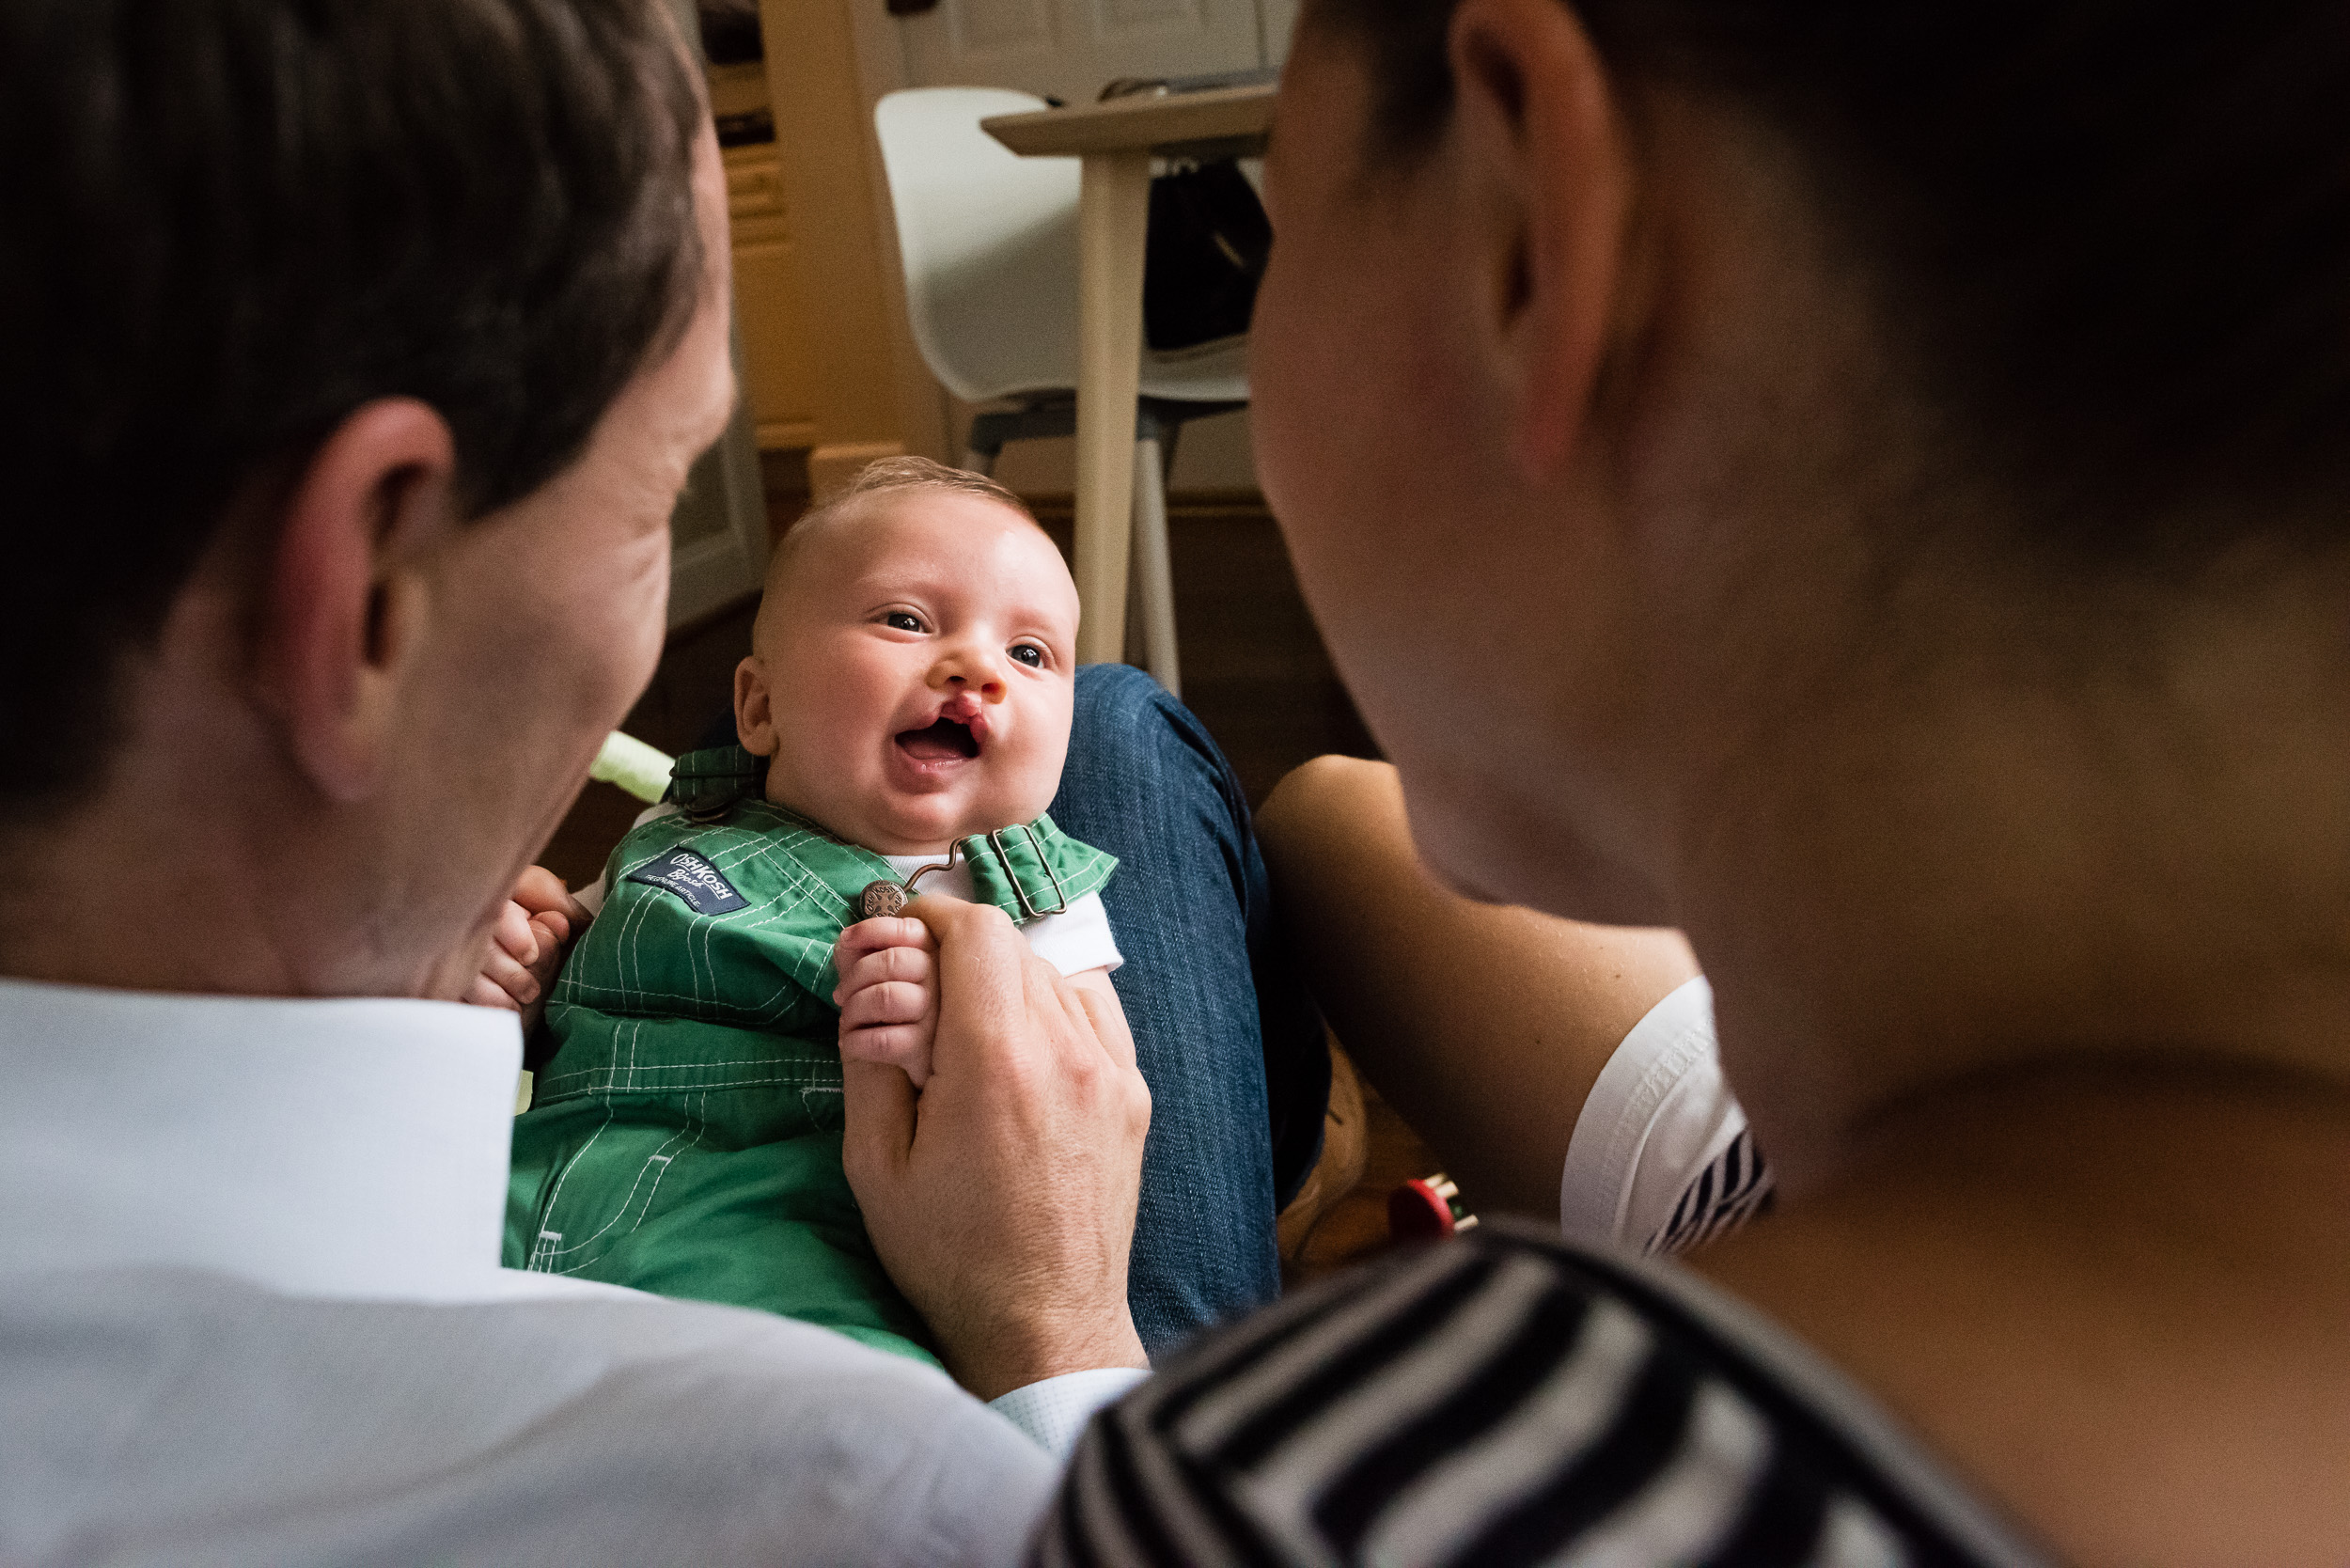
937 743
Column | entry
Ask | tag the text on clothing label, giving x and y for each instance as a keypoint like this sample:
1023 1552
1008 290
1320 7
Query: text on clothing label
694 879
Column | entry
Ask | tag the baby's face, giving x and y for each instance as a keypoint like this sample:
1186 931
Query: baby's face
912 676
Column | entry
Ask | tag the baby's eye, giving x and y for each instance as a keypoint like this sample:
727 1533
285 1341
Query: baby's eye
899 620
1030 655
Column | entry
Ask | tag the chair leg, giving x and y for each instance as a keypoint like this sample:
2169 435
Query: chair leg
1153 572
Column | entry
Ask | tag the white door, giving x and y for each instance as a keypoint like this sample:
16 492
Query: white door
1068 49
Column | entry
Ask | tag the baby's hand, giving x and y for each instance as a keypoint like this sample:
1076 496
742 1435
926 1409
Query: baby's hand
526 946
888 993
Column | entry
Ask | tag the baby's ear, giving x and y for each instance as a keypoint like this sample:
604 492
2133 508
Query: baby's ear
753 712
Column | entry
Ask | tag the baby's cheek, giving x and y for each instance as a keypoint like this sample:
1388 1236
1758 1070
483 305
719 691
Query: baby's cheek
1044 751
1032 785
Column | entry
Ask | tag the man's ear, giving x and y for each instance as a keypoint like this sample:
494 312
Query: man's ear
342 607
754 712
1546 152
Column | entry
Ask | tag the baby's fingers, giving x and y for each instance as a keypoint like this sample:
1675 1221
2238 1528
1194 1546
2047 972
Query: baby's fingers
522 984
485 992
514 935
550 931
882 933
904 965
904 1046
539 891
884 930
891 1002
553 926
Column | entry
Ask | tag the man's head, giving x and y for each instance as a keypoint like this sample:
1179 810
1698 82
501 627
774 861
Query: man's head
913 667
374 343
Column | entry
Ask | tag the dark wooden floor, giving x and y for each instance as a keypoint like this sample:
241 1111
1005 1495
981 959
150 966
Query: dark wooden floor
1254 670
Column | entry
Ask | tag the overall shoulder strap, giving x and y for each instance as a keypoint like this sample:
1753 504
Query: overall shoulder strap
708 784
1034 869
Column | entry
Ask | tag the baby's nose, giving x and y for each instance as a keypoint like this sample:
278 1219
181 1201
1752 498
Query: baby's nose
964 670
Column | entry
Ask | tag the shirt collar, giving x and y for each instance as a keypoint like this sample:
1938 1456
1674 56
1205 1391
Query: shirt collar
345 1148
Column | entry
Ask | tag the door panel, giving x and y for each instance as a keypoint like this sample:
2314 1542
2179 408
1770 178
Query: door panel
1068 49
999 29
782 388
780 377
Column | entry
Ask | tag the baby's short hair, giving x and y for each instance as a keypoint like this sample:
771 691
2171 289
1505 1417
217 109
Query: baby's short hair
922 473
884 476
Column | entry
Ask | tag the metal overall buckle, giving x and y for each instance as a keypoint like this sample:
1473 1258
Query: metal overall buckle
886 897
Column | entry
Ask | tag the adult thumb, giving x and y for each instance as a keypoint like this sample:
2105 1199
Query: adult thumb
877 1119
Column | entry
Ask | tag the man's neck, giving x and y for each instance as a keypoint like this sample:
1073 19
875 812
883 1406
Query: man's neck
191 864
97 901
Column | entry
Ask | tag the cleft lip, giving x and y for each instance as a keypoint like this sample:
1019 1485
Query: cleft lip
964 708
957 731
941 739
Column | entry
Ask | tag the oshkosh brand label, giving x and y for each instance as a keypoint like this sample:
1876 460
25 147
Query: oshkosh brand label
694 880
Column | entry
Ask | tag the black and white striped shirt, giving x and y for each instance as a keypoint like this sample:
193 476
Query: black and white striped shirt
1508 1398
1731 1188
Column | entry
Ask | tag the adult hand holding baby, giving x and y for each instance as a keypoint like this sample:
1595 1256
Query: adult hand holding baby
1002 1199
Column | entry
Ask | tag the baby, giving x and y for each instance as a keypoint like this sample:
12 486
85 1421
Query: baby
904 717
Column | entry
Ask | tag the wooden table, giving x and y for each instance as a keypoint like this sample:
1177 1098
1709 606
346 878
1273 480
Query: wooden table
1117 140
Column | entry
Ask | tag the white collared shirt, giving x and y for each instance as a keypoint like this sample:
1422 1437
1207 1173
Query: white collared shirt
251 1310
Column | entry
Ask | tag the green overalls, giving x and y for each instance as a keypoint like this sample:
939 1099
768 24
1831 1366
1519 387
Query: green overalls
684 1138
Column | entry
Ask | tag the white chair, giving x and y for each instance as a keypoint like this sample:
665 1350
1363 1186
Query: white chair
989 240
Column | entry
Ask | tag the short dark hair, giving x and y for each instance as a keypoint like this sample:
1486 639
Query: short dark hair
224 225
2113 236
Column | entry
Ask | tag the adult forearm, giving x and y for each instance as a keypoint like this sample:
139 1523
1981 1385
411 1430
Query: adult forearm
1484 1026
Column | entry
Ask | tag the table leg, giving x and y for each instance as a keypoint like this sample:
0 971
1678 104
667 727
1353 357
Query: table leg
1114 209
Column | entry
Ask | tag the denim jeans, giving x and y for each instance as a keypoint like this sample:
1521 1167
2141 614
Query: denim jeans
1224 1033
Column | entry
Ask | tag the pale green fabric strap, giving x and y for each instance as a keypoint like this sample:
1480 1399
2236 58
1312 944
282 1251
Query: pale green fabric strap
629 762
1034 869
